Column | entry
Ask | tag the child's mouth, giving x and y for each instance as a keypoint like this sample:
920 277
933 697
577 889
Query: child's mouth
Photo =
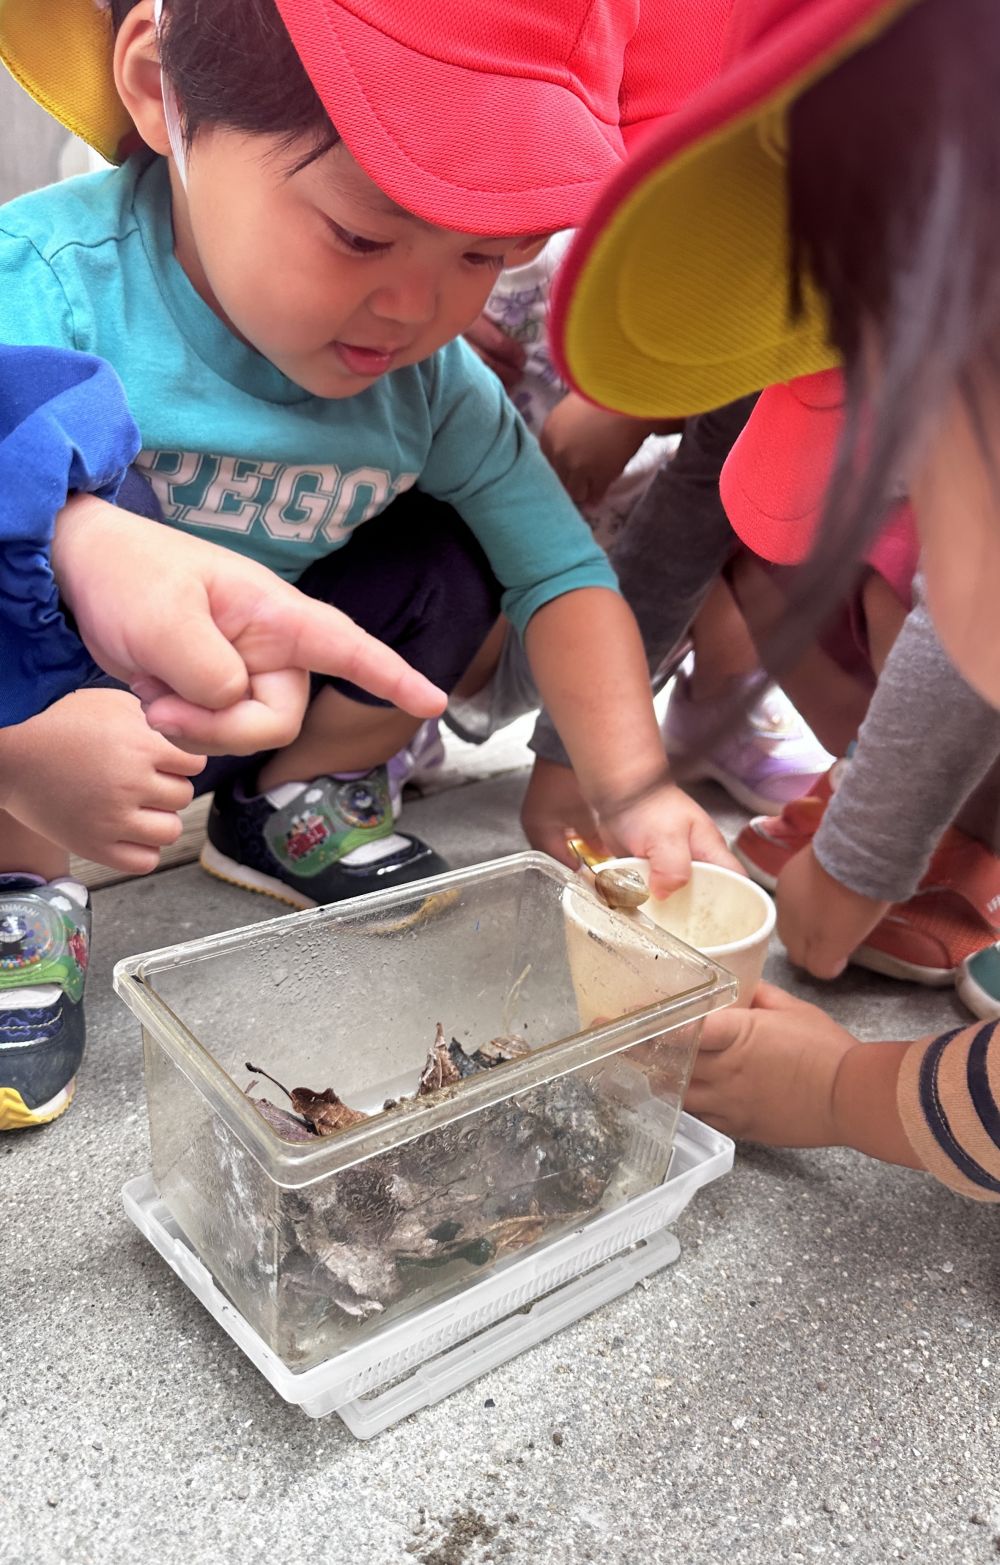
364 361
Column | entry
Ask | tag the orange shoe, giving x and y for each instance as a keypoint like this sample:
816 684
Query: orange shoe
766 843
954 913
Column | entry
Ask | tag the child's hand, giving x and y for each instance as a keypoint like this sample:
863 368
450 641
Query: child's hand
587 657
92 776
821 921
669 829
589 447
769 1073
504 355
218 646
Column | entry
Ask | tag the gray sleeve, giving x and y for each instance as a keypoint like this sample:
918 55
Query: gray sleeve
927 741
676 542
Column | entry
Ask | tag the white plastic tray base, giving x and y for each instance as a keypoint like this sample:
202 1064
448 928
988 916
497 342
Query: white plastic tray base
446 1346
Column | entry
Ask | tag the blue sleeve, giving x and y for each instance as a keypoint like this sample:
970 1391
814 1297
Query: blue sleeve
487 465
64 428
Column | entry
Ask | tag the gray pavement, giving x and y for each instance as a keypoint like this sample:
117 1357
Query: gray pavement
812 1381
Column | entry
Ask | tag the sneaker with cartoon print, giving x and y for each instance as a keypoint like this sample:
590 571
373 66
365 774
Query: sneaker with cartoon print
44 951
309 843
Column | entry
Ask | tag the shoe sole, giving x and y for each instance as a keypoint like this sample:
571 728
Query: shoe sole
756 803
760 876
907 972
235 874
16 1115
977 999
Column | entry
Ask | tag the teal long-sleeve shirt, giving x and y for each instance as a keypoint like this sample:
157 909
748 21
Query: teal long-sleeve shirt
239 454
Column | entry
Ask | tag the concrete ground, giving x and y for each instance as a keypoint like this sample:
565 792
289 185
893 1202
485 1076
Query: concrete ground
813 1380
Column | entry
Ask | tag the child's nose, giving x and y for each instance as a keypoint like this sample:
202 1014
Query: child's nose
412 300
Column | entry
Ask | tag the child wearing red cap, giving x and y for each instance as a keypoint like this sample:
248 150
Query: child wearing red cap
314 209
866 131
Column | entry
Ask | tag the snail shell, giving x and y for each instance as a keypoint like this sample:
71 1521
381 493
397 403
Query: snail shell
621 888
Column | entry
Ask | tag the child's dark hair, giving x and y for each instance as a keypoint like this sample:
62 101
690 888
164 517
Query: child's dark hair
894 181
232 64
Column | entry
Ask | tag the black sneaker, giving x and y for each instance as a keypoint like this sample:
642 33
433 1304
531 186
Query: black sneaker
44 949
312 843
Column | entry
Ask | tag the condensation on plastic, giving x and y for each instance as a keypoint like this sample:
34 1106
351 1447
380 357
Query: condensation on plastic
347 996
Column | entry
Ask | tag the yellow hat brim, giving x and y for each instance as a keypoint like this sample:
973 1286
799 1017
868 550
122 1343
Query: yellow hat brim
676 296
658 326
61 53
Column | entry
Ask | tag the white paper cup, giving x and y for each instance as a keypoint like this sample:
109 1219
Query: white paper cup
618 965
722 914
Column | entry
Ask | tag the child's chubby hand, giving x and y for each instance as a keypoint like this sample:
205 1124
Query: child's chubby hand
669 829
92 776
769 1073
590 447
665 826
820 920
218 647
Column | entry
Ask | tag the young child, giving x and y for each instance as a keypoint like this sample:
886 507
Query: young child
250 639
278 281
897 122
891 862
895 870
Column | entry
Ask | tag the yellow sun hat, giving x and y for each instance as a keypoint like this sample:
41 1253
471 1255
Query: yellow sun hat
674 298
61 51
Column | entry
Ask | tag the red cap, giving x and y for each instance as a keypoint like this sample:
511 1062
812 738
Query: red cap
777 474
487 118
679 46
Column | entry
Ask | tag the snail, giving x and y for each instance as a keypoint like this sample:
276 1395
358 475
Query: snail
620 887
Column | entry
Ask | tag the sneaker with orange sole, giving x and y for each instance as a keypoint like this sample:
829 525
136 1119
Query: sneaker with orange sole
766 843
930 939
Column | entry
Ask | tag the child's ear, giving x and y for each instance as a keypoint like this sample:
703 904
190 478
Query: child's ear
137 75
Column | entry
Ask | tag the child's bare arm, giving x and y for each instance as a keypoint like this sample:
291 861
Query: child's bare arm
784 1073
590 447
588 661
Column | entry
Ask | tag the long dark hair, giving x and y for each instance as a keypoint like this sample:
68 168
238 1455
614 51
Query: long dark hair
894 203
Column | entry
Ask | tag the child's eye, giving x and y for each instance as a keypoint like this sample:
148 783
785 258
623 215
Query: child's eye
356 243
495 263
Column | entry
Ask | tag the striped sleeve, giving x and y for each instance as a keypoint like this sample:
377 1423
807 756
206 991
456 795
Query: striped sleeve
949 1103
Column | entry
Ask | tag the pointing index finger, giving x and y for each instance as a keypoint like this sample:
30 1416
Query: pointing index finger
328 642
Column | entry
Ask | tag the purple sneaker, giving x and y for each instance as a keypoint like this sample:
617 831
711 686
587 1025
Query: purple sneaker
417 762
768 760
